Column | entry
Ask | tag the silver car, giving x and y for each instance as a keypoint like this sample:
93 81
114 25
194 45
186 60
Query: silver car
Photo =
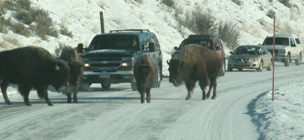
250 57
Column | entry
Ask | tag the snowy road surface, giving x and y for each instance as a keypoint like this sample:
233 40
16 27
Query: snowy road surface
118 114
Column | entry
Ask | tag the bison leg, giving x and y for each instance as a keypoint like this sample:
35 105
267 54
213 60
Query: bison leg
190 86
25 91
75 98
148 92
142 95
69 95
43 91
4 86
203 86
212 84
214 89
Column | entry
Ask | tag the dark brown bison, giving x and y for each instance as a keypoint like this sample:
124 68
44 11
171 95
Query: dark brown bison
144 72
76 64
195 63
32 67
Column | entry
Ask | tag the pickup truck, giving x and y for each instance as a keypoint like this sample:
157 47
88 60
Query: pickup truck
287 48
110 57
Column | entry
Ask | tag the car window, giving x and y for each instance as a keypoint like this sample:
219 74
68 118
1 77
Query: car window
154 40
298 41
205 43
278 41
292 42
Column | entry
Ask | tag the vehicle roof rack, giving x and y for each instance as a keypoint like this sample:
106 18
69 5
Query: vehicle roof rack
201 36
129 30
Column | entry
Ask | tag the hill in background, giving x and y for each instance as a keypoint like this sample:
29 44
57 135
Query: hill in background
78 21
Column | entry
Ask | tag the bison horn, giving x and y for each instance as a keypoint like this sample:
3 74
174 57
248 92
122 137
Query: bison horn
168 62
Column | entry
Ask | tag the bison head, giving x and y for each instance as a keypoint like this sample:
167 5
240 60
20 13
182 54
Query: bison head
174 71
75 73
145 78
61 75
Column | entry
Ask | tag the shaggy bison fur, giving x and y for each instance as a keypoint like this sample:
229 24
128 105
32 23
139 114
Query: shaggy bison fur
195 63
76 64
32 67
144 72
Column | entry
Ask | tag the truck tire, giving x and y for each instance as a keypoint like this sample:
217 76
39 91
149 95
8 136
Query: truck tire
286 63
260 67
270 66
133 86
298 60
106 85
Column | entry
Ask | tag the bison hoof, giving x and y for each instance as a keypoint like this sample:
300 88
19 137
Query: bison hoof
213 97
188 98
28 104
8 103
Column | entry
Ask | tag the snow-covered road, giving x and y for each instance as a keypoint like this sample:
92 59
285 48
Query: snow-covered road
118 114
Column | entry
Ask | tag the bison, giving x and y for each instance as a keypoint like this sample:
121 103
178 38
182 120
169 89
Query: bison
195 63
144 73
76 64
29 67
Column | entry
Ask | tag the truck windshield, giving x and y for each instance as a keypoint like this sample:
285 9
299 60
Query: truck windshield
278 41
205 43
114 42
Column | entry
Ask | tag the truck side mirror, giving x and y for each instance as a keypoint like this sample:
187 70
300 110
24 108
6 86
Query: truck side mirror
80 48
152 47
175 48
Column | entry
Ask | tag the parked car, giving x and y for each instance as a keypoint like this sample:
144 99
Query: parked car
110 57
250 57
287 48
209 41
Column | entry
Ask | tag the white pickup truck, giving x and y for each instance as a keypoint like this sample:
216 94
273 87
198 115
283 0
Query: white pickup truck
287 47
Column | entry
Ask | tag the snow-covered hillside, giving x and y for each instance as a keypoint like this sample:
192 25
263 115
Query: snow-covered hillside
81 17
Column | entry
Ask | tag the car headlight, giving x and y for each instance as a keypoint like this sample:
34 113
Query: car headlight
254 59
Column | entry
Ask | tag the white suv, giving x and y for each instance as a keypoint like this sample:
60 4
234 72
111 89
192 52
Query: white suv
287 47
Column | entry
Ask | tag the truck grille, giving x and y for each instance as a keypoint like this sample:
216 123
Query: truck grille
106 65
271 51
108 62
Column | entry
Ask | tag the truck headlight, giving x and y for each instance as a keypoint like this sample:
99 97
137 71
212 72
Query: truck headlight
86 65
127 62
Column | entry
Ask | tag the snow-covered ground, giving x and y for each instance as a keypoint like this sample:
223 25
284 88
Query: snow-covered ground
243 109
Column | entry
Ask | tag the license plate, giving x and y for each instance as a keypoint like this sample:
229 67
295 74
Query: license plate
104 75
